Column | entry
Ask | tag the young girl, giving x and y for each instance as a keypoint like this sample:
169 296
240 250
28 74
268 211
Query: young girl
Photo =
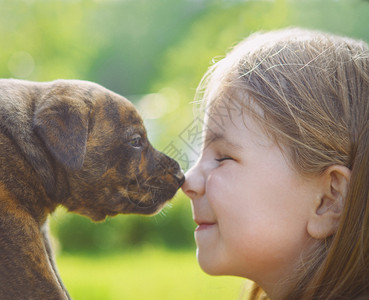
280 192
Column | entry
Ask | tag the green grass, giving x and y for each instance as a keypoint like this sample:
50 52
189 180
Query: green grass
144 274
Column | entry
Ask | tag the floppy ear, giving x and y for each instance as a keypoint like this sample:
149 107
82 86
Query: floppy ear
328 208
62 123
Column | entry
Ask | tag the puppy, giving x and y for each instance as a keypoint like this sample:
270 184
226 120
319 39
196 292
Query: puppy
76 144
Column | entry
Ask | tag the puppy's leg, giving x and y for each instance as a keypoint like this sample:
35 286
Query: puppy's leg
46 239
25 269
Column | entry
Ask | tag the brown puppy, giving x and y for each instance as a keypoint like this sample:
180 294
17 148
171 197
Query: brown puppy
76 144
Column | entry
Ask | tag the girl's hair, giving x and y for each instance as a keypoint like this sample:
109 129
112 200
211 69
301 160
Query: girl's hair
311 91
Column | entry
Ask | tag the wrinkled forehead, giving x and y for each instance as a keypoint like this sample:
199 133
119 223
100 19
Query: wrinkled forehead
233 102
235 105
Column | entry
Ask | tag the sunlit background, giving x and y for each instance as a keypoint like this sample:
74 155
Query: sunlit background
154 52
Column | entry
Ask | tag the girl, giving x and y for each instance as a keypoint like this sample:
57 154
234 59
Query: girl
280 192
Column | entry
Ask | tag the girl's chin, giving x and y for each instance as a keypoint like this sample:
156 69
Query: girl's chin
208 261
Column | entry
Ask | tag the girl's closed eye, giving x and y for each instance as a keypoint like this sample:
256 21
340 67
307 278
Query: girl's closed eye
223 158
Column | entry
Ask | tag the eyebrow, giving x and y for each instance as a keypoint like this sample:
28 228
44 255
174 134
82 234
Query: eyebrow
216 137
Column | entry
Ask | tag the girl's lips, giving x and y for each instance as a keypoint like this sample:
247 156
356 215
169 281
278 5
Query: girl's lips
204 226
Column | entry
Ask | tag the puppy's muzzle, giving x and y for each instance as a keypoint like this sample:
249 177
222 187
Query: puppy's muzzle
180 177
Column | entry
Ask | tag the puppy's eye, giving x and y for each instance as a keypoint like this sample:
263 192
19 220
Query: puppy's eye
136 142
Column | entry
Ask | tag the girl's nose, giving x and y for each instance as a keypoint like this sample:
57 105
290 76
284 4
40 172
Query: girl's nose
194 185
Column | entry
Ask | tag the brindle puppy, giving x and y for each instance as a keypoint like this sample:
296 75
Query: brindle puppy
75 144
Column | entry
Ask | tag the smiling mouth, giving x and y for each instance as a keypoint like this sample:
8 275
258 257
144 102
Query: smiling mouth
203 225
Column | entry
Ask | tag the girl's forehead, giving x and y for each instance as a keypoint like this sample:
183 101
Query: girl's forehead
233 104
222 123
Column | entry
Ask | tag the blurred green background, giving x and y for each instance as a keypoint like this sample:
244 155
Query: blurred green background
154 52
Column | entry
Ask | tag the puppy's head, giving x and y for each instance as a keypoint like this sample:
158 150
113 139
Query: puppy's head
100 140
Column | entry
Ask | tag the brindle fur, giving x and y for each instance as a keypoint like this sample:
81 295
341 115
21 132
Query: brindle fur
68 143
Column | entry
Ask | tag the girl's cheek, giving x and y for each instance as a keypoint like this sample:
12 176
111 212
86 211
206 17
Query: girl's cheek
214 184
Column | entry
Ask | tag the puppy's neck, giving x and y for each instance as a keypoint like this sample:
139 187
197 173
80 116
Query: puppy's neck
20 186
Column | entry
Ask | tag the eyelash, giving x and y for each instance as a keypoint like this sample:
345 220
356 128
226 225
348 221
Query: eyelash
223 158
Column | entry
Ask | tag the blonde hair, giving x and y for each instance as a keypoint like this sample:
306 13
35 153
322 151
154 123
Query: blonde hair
313 92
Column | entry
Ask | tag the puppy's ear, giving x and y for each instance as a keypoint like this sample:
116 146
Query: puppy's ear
61 121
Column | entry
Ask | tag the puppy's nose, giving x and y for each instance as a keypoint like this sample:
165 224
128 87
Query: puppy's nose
180 177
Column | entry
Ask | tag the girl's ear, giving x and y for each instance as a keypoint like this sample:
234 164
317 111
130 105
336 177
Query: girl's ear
327 210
